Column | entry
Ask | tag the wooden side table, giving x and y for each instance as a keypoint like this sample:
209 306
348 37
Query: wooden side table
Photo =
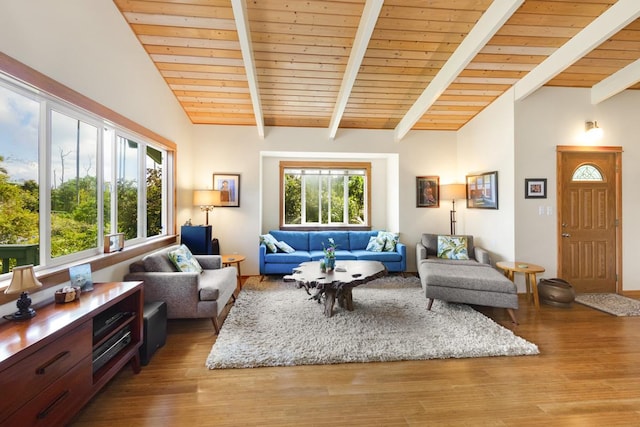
529 270
229 260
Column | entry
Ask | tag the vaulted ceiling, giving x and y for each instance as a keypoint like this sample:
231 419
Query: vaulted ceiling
380 64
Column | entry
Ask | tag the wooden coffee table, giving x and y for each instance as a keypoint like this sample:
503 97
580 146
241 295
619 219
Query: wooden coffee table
336 284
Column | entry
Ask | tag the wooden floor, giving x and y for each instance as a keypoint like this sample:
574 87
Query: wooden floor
587 374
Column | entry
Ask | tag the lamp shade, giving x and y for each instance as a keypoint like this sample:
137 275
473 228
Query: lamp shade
206 197
453 192
24 278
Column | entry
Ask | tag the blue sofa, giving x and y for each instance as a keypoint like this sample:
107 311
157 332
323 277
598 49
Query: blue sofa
308 246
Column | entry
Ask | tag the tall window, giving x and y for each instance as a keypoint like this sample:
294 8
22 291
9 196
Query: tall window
75 175
325 194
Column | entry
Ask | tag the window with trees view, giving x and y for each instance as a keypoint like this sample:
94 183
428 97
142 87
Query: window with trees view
59 167
325 194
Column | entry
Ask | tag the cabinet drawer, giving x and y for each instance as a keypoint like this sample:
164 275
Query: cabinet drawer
56 404
31 375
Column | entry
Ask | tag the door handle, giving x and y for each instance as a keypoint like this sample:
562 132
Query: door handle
566 235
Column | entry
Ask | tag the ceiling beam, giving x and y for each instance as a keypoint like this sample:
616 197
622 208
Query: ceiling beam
616 83
244 37
488 24
367 24
593 35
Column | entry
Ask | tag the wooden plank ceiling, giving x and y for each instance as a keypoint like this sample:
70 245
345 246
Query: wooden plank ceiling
301 51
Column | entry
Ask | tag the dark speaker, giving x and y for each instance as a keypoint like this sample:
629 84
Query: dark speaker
155 329
215 246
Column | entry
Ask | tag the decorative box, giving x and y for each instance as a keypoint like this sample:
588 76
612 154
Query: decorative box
67 294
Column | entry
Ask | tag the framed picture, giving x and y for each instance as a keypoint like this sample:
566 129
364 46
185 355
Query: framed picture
535 188
80 275
113 242
427 191
482 190
229 186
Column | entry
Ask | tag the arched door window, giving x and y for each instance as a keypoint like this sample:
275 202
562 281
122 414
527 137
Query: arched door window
587 173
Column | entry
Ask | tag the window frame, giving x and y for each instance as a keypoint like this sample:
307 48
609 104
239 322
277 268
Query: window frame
325 165
54 96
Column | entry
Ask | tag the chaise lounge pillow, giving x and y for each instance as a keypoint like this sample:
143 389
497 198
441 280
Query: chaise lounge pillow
184 261
270 242
452 247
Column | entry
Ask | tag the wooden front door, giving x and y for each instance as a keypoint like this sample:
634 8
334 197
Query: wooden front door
589 217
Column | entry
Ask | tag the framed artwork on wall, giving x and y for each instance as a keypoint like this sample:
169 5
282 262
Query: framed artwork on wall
482 190
113 242
427 191
229 186
535 188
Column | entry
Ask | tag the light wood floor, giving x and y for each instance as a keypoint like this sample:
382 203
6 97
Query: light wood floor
587 374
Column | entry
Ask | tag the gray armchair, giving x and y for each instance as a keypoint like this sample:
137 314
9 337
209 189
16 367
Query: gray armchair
188 295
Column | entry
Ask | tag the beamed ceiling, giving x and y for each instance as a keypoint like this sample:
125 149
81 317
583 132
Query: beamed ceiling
374 64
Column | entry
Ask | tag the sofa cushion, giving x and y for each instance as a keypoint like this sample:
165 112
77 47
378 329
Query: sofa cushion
184 261
480 277
270 242
452 247
159 261
298 240
285 258
377 256
340 255
360 239
320 239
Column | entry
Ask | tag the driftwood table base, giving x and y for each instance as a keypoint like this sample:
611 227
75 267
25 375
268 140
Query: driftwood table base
336 284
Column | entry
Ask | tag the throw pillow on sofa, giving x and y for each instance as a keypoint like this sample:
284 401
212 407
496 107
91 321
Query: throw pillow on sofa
375 244
452 247
270 242
390 240
284 247
184 261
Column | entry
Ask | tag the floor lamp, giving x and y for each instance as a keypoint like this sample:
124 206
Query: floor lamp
453 192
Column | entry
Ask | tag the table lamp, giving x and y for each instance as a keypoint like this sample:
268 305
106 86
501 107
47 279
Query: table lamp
453 192
206 199
23 279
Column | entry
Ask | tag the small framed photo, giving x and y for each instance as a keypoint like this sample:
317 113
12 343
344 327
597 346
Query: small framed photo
535 188
427 191
113 242
229 186
482 190
80 275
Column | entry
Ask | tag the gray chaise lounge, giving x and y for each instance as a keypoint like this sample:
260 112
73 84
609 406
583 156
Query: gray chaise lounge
472 281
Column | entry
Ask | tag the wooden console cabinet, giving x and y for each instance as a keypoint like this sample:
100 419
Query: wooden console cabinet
47 367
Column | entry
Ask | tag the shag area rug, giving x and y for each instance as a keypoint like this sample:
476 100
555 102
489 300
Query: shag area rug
273 323
615 304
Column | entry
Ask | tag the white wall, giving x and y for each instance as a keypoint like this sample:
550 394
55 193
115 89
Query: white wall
239 150
485 144
557 116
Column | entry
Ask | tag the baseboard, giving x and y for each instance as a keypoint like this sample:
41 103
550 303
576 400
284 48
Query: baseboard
631 294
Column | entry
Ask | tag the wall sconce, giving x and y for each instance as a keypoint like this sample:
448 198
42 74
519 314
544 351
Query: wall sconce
23 279
206 199
592 131
453 192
